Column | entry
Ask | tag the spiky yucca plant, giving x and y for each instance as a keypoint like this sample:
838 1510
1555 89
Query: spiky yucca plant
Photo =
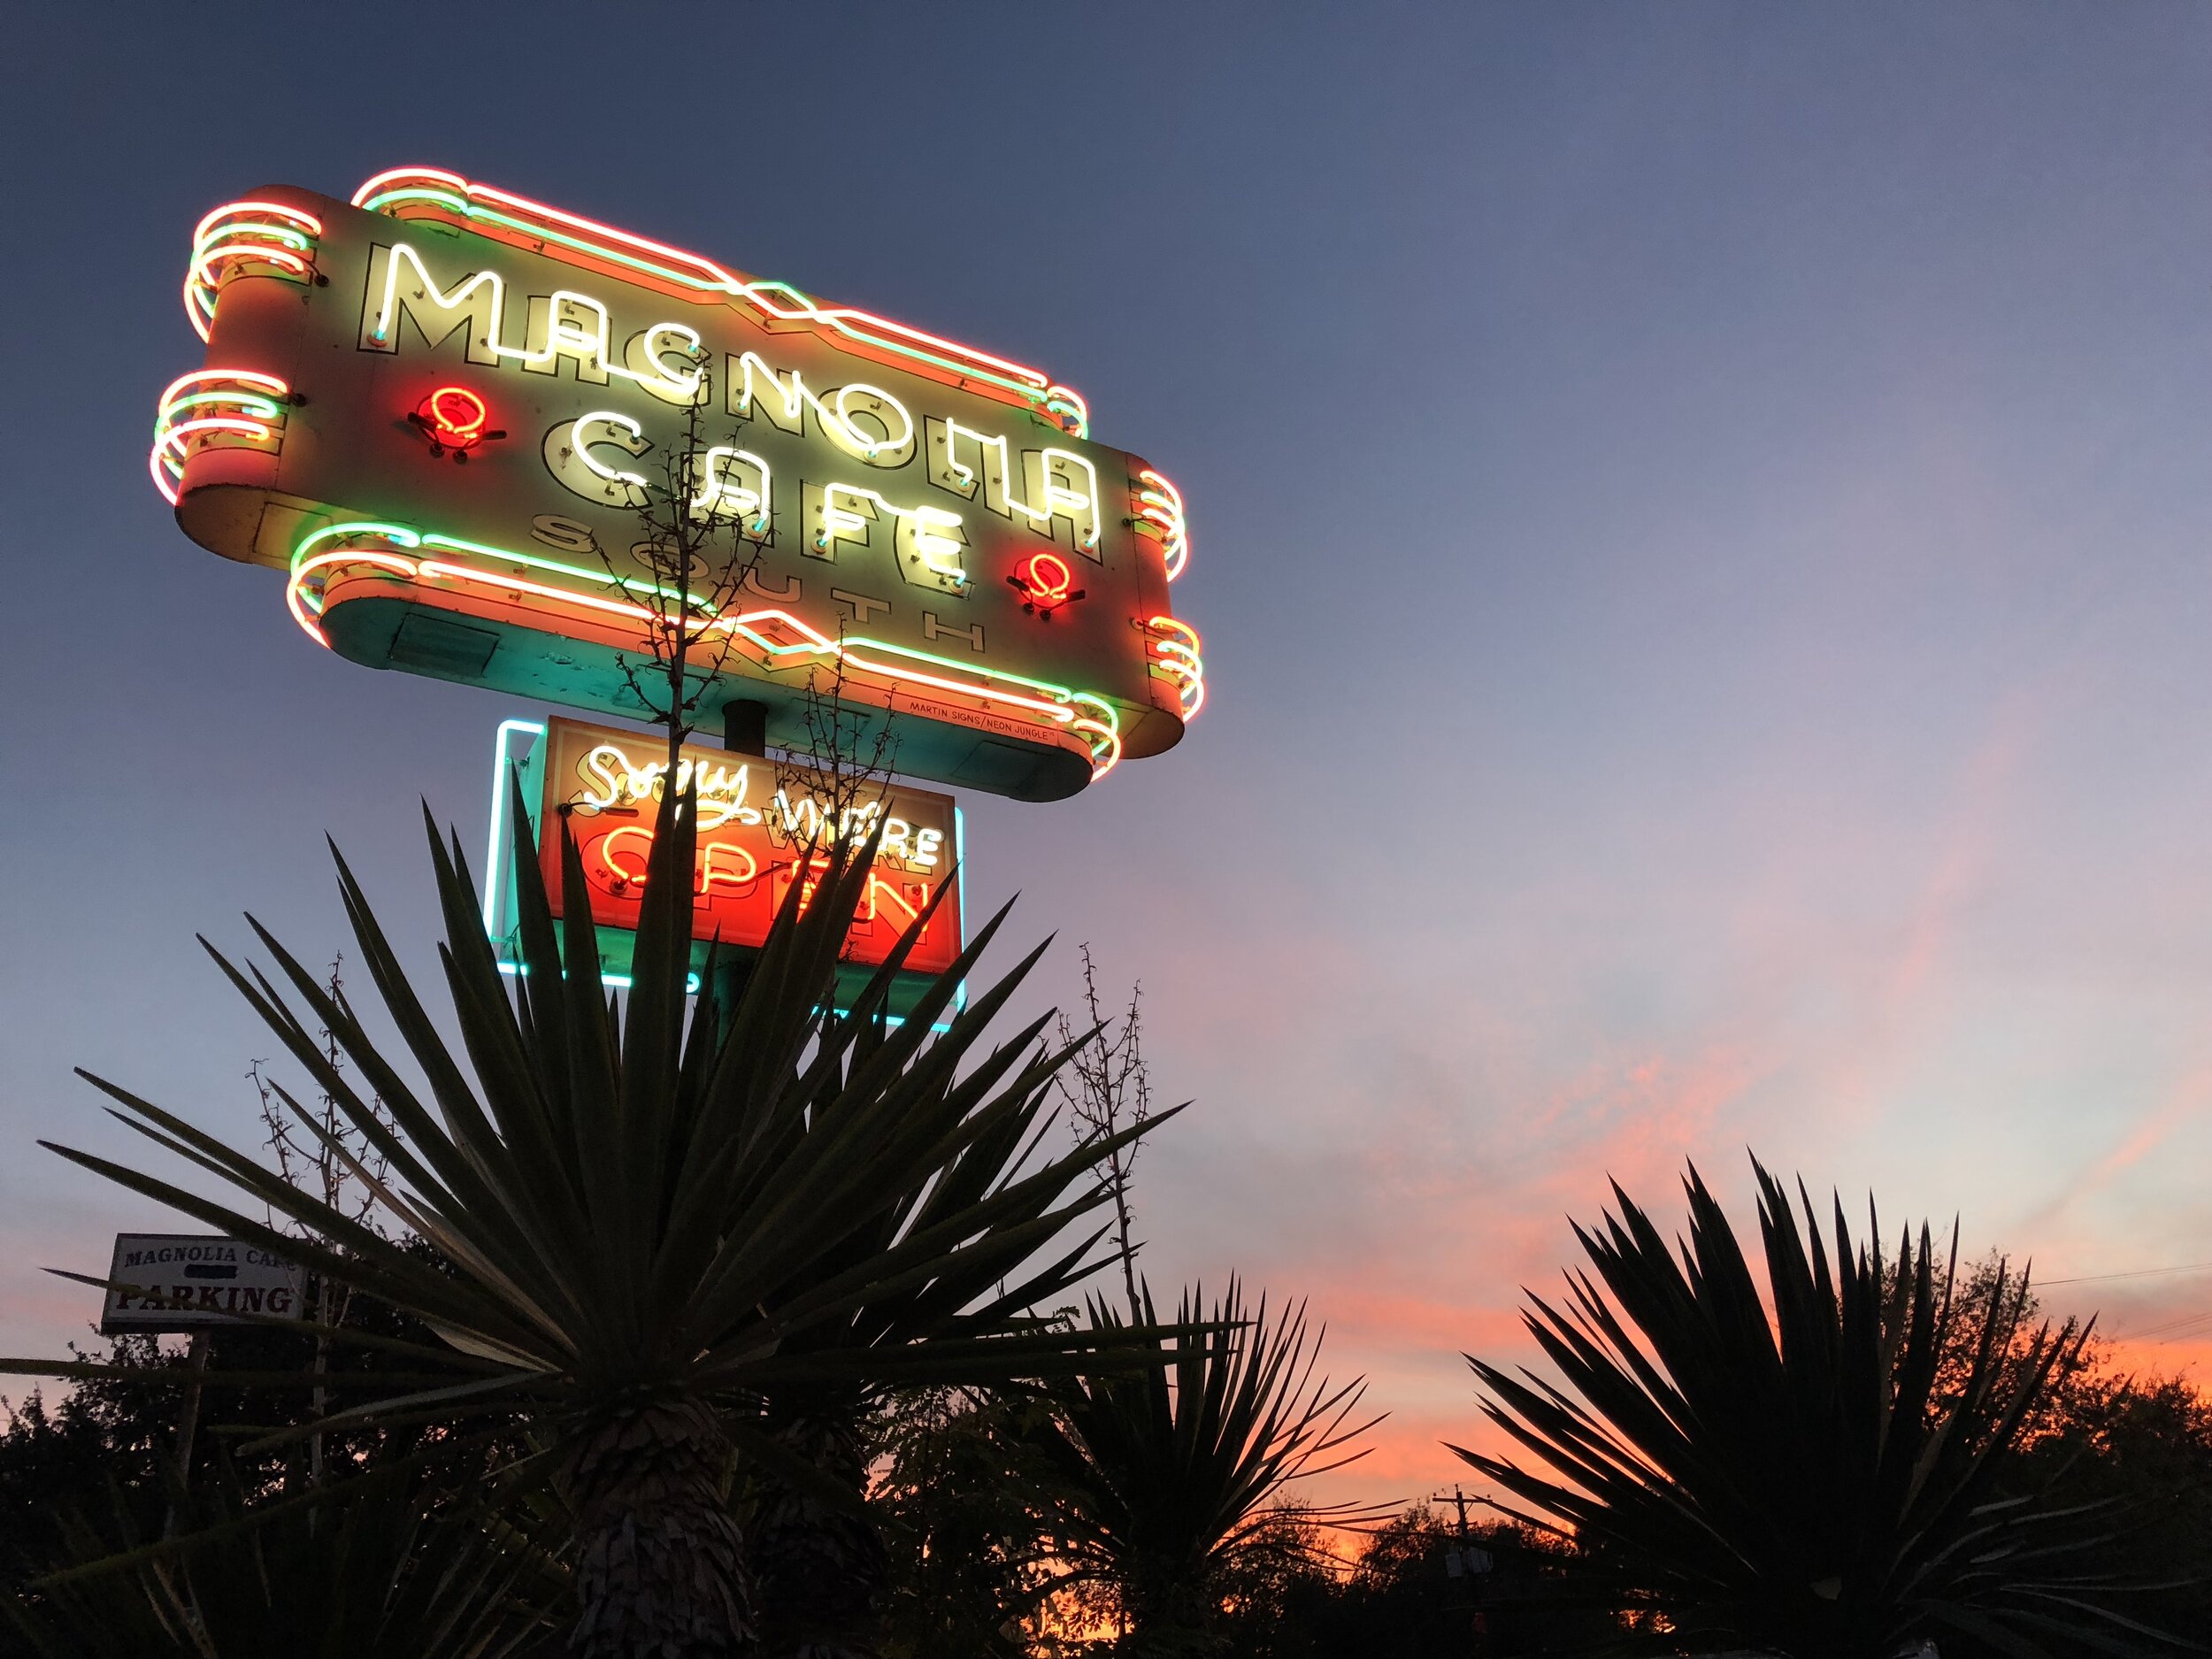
821 1564
653 1209
1170 1471
375 1573
1780 1472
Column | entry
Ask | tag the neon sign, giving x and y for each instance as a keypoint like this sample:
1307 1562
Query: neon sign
455 419
214 409
763 825
922 502
1045 583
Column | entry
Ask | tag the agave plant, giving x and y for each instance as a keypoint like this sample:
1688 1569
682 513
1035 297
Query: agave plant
1173 1470
650 1210
821 1564
380 1571
1782 1472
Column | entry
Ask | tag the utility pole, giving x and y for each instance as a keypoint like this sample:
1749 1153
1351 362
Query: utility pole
1465 1560
1459 1501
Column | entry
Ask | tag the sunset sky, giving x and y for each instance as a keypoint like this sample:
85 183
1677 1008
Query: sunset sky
1701 527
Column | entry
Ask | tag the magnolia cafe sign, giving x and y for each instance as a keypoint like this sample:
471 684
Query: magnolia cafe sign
438 409
171 1281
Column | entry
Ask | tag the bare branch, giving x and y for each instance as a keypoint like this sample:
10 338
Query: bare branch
1112 1091
688 569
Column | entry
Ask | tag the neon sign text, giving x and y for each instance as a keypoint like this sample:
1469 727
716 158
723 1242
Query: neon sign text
763 824
1051 481
612 781
863 422
563 326
409 193
838 419
913 508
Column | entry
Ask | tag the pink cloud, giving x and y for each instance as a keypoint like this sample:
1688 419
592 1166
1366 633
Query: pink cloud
2185 1101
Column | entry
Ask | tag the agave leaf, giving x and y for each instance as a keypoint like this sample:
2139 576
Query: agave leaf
1170 1468
1774 1463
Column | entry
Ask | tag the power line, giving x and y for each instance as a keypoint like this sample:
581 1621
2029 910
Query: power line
2140 1273
2171 1329
2167 1332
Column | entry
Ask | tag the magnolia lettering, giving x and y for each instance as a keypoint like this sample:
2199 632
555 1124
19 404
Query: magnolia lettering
1050 492
217 1250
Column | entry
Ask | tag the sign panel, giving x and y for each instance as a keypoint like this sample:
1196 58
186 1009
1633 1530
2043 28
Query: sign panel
174 1281
759 819
437 409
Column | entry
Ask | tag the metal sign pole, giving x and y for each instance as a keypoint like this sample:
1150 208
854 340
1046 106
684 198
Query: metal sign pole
188 1425
202 1341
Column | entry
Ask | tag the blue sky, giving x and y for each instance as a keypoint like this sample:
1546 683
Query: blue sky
1700 519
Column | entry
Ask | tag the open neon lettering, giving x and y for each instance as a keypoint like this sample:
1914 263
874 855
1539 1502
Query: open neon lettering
716 865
